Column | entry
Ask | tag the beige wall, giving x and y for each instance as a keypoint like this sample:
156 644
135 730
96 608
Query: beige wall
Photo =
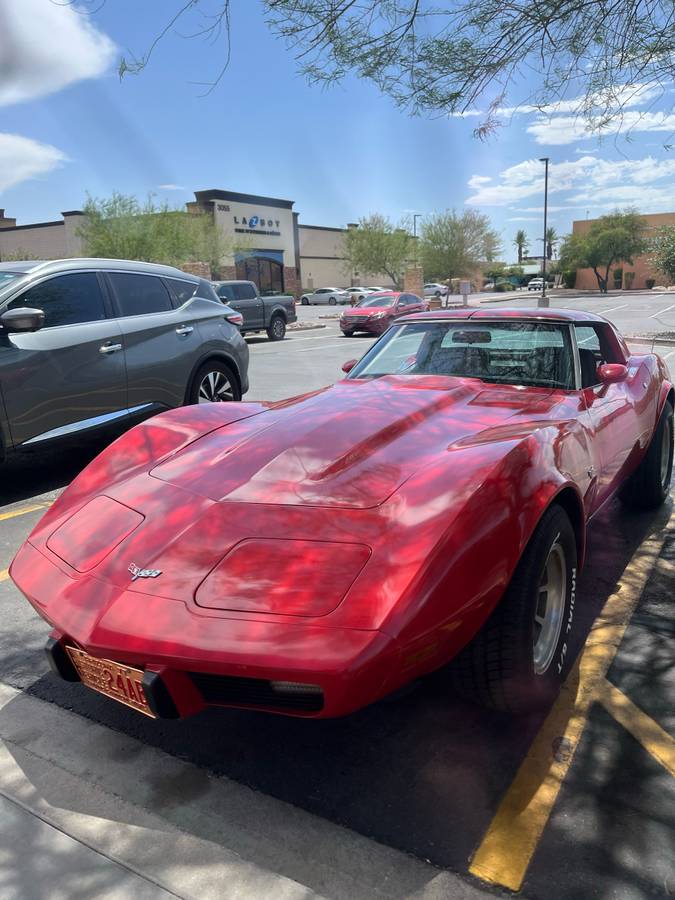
39 242
642 266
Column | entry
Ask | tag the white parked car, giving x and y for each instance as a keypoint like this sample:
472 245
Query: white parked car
359 293
435 290
537 284
329 295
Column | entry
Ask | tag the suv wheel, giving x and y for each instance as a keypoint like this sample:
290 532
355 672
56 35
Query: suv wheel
214 382
276 330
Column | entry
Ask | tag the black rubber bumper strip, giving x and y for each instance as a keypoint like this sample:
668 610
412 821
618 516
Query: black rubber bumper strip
158 696
59 661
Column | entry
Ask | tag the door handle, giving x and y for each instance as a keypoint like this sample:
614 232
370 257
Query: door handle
184 329
109 348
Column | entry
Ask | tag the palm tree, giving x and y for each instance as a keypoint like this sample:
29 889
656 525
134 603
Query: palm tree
551 241
520 241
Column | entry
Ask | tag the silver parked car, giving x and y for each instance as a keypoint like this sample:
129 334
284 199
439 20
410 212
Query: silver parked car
329 295
88 342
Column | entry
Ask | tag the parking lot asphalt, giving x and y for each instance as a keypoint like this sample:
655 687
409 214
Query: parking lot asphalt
575 803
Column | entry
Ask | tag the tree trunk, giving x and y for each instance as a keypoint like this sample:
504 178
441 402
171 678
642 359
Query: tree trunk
602 282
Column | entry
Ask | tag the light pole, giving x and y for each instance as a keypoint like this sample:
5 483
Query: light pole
416 216
544 299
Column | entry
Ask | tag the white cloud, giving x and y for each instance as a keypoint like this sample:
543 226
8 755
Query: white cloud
171 187
477 180
560 130
22 158
624 97
45 46
595 181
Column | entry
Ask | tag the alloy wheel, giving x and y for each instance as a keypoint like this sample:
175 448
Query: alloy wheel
666 450
215 388
550 608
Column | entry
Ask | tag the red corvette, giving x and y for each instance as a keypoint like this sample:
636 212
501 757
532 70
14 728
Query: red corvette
311 556
374 314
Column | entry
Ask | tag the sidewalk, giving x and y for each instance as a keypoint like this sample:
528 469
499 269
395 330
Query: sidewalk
86 811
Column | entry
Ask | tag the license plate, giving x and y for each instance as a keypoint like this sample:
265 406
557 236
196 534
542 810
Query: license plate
122 683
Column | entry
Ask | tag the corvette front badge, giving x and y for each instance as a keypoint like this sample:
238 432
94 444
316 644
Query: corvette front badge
143 573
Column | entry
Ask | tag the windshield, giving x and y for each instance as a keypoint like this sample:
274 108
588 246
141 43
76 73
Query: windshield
6 278
528 353
377 301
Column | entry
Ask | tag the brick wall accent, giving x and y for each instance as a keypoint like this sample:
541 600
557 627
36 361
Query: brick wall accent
413 280
291 281
226 273
202 269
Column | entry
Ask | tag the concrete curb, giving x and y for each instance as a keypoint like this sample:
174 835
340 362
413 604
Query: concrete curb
648 339
304 326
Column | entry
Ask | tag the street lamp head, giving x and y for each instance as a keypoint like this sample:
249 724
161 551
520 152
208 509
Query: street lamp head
544 158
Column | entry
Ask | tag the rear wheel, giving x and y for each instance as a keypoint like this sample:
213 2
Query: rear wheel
521 656
214 382
304 301
649 485
276 330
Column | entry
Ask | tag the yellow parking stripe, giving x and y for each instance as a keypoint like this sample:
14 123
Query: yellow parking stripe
4 574
22 510
645 730
505 852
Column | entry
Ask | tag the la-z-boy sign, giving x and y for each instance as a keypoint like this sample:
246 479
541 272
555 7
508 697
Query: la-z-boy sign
255 225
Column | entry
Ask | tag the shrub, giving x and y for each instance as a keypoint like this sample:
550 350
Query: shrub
570 278
650 282
504 286
628 279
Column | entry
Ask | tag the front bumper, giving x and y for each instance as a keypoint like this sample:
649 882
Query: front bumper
372 326
193 658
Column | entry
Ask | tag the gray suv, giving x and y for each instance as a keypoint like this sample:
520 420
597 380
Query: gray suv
87 342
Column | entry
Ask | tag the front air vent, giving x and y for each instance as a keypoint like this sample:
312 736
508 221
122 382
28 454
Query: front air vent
228 690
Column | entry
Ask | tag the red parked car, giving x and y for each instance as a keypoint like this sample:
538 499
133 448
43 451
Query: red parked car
311 556
375 314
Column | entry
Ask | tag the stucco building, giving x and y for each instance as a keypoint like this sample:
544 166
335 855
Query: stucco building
642 267
268 243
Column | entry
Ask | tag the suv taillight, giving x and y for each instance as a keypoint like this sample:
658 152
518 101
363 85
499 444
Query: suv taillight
235 317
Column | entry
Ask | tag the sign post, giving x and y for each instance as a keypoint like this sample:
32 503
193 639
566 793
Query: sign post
465 290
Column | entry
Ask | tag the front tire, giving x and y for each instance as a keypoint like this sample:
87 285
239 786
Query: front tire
649 485
214 382
276 330
332 301
304 301
520 658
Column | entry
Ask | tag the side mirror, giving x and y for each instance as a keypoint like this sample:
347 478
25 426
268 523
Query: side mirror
349 365
22 319
611 373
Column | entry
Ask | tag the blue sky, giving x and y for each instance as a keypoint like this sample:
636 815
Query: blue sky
69 126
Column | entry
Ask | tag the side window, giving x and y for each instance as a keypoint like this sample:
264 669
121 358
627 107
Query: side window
206 290
65 299
139 294
226 292
244 291
182 290
590 354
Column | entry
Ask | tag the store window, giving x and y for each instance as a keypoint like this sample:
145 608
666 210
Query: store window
267 273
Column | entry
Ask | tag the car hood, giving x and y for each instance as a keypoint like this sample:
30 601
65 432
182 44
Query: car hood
351 445
369 310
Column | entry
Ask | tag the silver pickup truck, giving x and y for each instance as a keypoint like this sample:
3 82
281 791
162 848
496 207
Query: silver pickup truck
270 314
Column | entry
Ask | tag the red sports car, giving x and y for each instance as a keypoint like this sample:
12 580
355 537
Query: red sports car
375 314
311 556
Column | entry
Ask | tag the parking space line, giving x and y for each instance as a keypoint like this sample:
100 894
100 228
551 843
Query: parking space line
514 833
612 308
662 311
4 574
646 731
22 511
